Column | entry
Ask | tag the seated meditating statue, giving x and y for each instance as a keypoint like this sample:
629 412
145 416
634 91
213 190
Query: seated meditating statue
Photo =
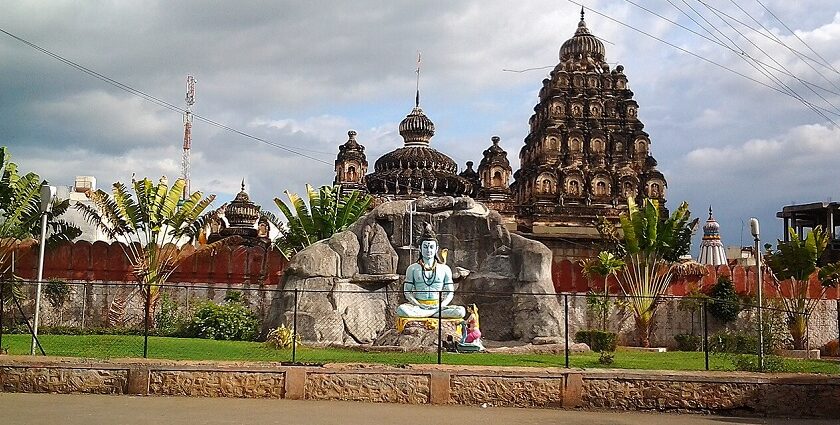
426 281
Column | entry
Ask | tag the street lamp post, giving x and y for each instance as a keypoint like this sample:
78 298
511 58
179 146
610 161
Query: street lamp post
760 284
47 196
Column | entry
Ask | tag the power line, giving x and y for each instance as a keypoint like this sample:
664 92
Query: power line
808 103
755 64
797 37
684 50
160 102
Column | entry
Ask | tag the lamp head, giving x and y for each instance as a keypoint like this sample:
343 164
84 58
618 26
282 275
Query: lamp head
754 227
47 196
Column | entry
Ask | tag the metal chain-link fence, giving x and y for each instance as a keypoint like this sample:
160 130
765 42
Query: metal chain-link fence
332 324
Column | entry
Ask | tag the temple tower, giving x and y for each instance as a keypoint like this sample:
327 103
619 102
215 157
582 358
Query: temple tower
711 247
351 165
494 172
586 151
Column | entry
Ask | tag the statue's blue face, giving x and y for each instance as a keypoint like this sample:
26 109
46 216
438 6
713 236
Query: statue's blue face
428 249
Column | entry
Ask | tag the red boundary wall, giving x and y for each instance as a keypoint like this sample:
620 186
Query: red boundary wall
568 276
101 261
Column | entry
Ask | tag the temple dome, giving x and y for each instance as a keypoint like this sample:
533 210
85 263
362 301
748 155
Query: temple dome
582 44
415 167
242 216
416 128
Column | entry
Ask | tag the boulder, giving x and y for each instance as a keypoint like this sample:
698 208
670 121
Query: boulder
377 254
346 245
317 259
435 204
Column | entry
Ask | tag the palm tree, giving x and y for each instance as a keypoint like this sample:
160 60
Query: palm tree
20 213
149 228
795 261
651 246
328 212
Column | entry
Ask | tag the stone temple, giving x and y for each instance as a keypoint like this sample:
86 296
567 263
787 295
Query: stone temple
585 154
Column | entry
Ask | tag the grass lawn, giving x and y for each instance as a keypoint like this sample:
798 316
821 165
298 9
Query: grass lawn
127 346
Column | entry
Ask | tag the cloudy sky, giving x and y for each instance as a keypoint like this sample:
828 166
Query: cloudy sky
301 74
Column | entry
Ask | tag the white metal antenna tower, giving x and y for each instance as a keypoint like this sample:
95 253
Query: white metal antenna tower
188 118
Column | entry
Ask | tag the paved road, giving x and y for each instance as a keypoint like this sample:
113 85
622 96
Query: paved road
129 410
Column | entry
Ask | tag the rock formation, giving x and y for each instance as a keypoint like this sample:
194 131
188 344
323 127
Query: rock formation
348 287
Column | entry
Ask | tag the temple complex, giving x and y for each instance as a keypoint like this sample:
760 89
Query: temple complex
711 247
585 154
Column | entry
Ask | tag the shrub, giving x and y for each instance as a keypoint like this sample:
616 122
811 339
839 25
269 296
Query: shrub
231 321
749 363
725 303
56 293
688 342
168 318
606 358
598 340
280 337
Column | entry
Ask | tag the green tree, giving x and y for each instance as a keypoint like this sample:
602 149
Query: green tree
651 245
328 213
606 265
20 217
795 262
149 225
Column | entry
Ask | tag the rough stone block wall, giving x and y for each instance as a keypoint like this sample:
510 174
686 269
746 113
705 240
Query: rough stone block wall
63 380
368 387
724 395
506 391
217 384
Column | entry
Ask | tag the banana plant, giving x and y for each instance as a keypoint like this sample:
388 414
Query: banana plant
606 265
328 212
651 245
795 261
150 224
20 213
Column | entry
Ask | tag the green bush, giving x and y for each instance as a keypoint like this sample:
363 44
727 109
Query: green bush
725 304
169 321
749 363
688 342
56 293
598 340
230 321
606 358
739 342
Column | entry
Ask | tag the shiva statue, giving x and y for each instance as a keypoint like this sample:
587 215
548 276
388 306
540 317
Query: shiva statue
426 281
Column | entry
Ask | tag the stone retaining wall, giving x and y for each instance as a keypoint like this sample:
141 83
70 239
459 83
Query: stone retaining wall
789 395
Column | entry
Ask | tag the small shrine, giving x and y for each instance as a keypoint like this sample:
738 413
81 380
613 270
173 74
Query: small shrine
240 222
711 247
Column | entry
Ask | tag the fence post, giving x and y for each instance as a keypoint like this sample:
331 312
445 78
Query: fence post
440 327
838 319
146 320
566 325
705 333
294 328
